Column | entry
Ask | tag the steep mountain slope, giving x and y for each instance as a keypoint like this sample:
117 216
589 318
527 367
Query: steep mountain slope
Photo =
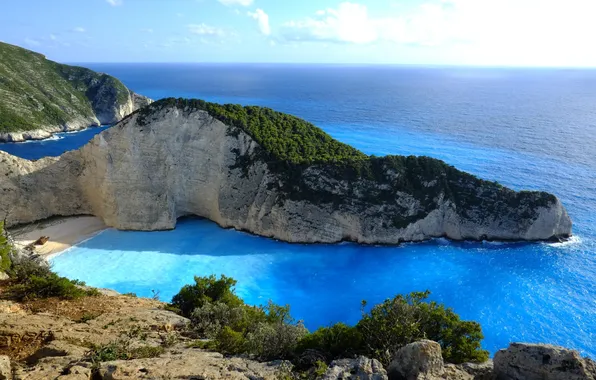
39 96
272 174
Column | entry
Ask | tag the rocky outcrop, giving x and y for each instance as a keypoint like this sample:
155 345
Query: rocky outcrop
168 162
40 97
523 361
355 369
417 361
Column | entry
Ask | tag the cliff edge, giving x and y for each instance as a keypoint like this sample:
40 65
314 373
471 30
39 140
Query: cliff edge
39 97
271 174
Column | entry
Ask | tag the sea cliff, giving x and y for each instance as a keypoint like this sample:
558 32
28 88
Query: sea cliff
245 168
39 97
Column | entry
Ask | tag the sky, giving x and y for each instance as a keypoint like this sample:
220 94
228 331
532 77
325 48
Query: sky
433 32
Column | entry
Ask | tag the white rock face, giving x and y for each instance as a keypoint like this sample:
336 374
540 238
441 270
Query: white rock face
144 177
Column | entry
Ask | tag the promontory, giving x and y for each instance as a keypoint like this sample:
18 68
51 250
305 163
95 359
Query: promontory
39 97
269 173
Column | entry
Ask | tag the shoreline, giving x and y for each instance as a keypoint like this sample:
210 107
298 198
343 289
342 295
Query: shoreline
63 233
40 134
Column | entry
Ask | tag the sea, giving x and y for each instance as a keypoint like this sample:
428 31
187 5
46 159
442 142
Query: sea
531 129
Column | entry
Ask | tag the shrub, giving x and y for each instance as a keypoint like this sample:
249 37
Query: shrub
337 341
406 319
6 250
229 341
209 319
205 290
122 350
268 341
34 279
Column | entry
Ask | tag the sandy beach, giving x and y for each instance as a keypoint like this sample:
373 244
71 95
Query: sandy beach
63 233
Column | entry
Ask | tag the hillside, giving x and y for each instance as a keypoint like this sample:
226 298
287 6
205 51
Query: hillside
271 174
40 95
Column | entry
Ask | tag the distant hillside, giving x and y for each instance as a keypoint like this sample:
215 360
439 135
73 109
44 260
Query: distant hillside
39 94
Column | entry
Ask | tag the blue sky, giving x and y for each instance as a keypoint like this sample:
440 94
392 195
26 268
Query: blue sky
454 32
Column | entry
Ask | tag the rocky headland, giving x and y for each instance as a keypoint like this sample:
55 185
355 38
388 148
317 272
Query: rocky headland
271 174
39 97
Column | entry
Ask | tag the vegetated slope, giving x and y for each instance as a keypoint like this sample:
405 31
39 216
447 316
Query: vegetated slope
36 93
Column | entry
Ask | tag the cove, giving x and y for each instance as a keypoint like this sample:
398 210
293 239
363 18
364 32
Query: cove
515 290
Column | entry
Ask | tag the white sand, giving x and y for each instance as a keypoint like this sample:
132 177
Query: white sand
63 233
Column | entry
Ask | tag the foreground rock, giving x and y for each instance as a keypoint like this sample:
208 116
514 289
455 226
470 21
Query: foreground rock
522 361
175 159
188 364
355 369
418 360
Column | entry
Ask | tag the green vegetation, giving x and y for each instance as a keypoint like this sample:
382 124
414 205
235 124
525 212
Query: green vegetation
285 137
31 278
36 92
6 250
123 350
269 332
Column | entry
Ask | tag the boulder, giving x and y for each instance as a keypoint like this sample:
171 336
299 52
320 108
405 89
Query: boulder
523 361
5 369
417 361
42 240
355 369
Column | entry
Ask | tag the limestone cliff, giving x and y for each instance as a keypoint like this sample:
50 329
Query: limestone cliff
39 97
177 158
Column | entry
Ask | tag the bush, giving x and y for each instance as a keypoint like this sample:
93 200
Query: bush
34 279
406 319
269 332
6 250
335 342
206 290
122 350
269 341
209 319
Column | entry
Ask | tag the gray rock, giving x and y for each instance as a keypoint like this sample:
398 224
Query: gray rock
138 176
355 369
57 348
77 373
417 361
5 369
479 371
523 361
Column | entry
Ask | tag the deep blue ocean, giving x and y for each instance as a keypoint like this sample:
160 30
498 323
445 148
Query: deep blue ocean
526 128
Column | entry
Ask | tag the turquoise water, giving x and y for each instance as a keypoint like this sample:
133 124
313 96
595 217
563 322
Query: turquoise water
526 129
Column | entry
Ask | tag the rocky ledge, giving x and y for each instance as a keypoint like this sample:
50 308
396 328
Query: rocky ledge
123 337
271 174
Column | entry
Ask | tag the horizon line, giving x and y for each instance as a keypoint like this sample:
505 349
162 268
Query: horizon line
427 65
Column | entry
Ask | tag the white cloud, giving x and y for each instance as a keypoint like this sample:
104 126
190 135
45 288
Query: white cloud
114 3
244 3
146 30
206 30
524 31
262 20
79 29
350 22
53 37
32 42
